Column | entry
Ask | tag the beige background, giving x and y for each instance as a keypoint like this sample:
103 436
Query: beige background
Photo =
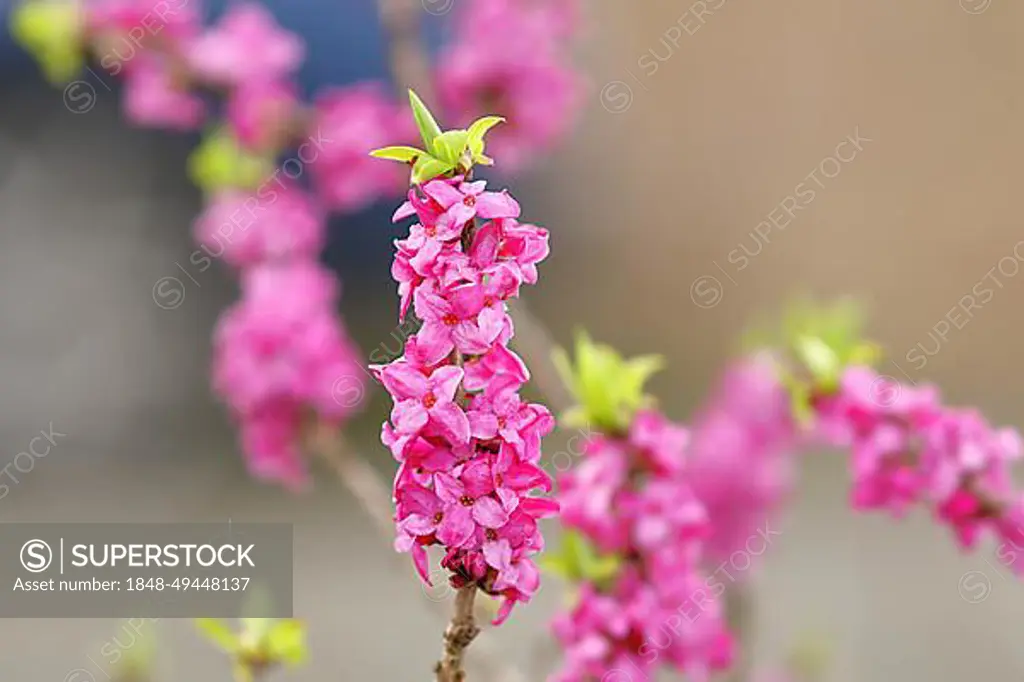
641 203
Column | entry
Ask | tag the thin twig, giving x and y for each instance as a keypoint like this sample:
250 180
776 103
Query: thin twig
459 634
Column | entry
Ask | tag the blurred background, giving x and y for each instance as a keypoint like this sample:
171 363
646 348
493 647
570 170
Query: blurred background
670 234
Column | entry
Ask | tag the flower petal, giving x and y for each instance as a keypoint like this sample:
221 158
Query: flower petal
489 513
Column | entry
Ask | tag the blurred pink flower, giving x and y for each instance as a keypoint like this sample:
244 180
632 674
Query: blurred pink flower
505 59
246 45
247 228
280 353
260 113
742 454
352 121
153 98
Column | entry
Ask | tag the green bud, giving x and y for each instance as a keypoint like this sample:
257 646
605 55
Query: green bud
578 561
220 162
608 388
450 152
52 32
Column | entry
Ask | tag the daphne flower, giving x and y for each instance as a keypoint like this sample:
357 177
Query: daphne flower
153 97
351 121
247 229
260 113
421 398
467 444
246 45
462 321
469 509
506 66
279 354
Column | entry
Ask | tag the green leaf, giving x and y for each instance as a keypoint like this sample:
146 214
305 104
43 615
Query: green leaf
427 168
604 569
398 153
286 642
219 162
557 565
475 141
219 633
608 388
578 560
450 145
819 358
52 32
429 130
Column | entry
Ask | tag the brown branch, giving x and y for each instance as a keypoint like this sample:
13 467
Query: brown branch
459 634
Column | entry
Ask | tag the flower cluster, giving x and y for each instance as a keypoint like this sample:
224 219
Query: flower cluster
636 533
510 56
630 497
468 444
741 454
907 448
280 359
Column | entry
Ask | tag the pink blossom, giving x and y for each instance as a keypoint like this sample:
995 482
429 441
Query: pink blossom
260 112
492 369
630 496
246 45
159 20
249 228
348 123
910 449
461 321
742 450
422 398
278 354
466 201
507 59
153 98
271 439
467 443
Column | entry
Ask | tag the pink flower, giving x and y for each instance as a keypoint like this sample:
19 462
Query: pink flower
508 62
463 202
741 453
259 113
467 443
280 353
248 229
270 438
349 123
246 45
497 367
421 398
518 245
472 507
120 21
423 513
462 321
506 416
908 448
153 98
